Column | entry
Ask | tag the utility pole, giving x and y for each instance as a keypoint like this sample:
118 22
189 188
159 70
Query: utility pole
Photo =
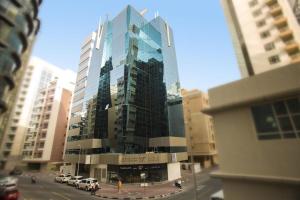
194 175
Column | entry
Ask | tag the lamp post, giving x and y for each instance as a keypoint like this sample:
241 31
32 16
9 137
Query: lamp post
78 160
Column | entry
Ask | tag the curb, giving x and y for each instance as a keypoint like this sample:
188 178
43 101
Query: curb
137 198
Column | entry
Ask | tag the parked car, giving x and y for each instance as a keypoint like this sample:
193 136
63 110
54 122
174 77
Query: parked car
8 188
74 179
66 179
61 177
85 184
15 171
219 195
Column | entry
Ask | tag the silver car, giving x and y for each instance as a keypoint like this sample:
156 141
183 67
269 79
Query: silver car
75 179
85 184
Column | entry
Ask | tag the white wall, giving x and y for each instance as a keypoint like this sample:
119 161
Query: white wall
173 171
100 166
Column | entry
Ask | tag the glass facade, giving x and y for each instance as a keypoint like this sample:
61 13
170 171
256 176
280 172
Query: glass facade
132 173
295 5
132 90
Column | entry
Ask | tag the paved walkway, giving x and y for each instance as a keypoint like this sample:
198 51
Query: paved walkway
129 191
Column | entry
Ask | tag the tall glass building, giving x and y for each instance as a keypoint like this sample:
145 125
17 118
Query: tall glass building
127 116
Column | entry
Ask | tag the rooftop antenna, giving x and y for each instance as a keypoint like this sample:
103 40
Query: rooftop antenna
143 12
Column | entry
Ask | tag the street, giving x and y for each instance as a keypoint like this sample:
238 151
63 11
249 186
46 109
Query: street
204 190
47 189
206 186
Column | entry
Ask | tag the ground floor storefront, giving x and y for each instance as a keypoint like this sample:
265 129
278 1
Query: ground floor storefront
136 173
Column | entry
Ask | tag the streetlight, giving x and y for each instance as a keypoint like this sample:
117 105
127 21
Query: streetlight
78 160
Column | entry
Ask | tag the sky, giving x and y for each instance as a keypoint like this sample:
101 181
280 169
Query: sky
204 48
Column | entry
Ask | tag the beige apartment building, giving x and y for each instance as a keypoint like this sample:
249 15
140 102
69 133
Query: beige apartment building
38 74
257 123
45 138
199 128
265 33
19 27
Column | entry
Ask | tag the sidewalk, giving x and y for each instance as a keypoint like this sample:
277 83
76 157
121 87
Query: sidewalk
129 191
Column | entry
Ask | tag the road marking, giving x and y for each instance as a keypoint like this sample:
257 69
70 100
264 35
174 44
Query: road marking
200 187
60 195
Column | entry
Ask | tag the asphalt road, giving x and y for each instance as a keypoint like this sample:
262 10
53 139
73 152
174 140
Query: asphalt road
206 186
47 189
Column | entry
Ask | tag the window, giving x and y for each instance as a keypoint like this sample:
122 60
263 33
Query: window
294 105
256 13
269 46
253 3
279 119
265 34
274 59
261 23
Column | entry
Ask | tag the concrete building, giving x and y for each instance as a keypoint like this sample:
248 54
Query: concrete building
127 116
257 124
45 138
19 26
199 130
265 33
38 74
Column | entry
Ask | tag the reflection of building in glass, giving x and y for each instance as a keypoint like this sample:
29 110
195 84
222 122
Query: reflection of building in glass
19 25
128 110
295 4
265 33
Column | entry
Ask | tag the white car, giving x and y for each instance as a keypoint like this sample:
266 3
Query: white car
85 184
61 177
66 179
74 180
217 196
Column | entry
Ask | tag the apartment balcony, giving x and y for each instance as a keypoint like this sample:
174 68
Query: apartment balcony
280 22
75 120
295 58
286 34
32 130
292 48
275 11
271 2
73 132
28 148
